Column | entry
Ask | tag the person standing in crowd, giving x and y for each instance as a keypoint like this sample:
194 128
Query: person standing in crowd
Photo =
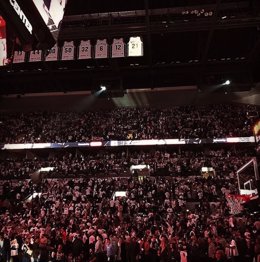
163 251
154 247
58 254
231 251
4 248
220 256
26 251
183 254
119 249
99 249
123 248
134 250
211 249
44 248
14 249
257 249
110 250
241 247
146 249
85 242
77 246
249 247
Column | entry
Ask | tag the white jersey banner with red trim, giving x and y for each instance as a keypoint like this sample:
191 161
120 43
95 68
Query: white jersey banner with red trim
101 49
118 48
68 51
52 54
3 47
84 50
35 56
19 57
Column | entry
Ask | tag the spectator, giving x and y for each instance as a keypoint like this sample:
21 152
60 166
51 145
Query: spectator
220 256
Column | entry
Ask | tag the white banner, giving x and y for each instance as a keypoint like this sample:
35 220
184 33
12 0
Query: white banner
52 54
135 46
35 56
68 51
3 47
114 143
118 48
19 57
101 49
84 50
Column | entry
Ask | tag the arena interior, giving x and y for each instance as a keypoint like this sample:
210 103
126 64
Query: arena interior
129 131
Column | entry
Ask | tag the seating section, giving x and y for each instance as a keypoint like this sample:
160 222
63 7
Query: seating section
212 121
171 211
117 163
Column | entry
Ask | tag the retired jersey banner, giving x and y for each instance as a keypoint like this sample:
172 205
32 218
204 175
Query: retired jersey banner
68 51
101 49
3 49
52 54
35 56
19 57
84 50
135 46
118 48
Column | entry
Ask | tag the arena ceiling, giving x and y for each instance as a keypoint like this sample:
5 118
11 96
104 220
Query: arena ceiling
186 43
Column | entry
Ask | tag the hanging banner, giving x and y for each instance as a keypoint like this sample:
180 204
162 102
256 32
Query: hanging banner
68 51
3 48
35 56
135 46
118 48
101 49
84 50
52 54
19 57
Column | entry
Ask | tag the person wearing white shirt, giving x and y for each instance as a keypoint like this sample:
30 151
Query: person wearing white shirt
14 250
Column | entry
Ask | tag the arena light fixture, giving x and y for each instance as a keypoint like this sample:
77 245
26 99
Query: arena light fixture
228 82
46 169
103 88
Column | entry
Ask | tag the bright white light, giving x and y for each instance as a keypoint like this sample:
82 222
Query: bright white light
93 143
46 169
227 83
119 194
207 169
103 88
33 196
139 167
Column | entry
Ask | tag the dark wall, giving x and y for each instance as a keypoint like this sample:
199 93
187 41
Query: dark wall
67 102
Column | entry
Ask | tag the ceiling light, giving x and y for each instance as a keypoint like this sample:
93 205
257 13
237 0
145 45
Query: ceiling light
227 82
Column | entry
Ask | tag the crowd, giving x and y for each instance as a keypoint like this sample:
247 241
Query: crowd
212 121
118 162
174 212
82 220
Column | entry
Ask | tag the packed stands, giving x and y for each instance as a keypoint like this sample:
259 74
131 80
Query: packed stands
118 163
211 121
174 212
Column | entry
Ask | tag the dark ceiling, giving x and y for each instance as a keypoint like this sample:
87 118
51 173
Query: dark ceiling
188 42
